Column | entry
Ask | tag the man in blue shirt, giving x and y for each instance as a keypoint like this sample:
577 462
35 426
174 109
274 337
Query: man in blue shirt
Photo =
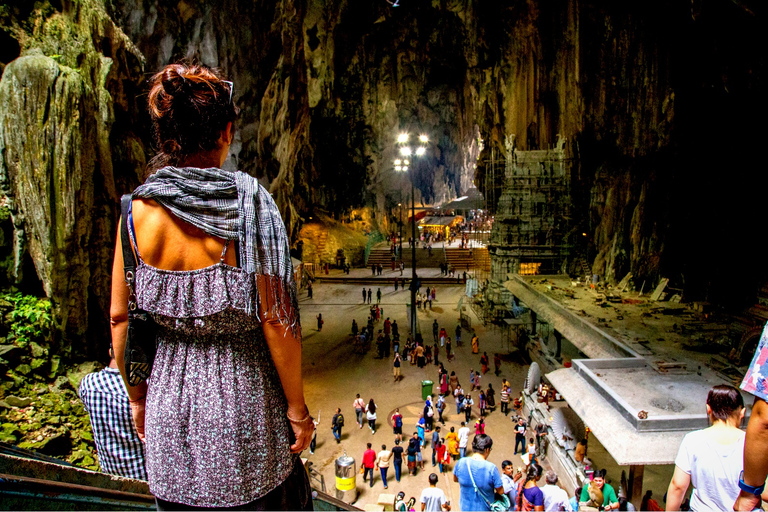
478 479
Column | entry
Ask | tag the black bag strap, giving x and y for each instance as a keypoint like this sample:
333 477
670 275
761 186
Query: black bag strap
129 260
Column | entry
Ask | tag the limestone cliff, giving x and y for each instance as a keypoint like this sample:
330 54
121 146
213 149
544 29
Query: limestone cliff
59 134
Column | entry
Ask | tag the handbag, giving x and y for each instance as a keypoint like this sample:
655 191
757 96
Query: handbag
499 504
140 347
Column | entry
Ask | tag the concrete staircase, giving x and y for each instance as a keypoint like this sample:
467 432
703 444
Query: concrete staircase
380 256
460 260
482 259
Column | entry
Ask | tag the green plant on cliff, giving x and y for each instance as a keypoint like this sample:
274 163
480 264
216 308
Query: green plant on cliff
40 409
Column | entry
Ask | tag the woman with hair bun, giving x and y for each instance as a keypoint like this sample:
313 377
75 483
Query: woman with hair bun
712 458
223 415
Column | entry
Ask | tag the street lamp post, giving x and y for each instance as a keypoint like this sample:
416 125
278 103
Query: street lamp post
400 225
402 166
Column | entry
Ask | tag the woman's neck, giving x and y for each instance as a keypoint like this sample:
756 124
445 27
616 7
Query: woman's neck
478 456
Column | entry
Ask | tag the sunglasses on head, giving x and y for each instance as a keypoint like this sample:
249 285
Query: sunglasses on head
231 88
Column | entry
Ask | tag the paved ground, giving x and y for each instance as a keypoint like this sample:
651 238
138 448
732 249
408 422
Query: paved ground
333 374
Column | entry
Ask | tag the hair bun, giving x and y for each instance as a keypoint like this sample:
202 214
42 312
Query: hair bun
173 82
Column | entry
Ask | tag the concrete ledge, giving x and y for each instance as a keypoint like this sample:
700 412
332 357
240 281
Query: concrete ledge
593 341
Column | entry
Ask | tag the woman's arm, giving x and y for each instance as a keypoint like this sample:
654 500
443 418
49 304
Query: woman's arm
285 350
118 320
677 489
755 460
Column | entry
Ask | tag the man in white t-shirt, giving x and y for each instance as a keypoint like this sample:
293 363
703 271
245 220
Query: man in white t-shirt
555 498
463 439
711 459
432 498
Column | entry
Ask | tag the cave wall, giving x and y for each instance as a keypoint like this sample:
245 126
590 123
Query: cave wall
62 121
658 102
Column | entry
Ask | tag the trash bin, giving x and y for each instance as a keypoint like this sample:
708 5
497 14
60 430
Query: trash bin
426 389
346 479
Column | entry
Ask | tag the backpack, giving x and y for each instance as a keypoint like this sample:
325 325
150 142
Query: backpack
340 421
398 421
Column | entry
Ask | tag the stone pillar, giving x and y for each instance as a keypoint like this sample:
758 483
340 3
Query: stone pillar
635 484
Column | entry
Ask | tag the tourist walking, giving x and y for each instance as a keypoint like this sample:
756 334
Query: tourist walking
370 293
484 362
504 400
429 414
479 480
442 455
378 296
187 207
369 463
480 426
397 458
382 462
435 441
448 353
458 335
421 426
459 396
453 443
397 424
336 424
475 344
453 382
712 458
359 406
463 439
440 406
443 380
370 412
414 447
466 406
496 364
490 397
320 322
365 294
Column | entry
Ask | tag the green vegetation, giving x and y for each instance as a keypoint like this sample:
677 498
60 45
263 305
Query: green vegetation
40 409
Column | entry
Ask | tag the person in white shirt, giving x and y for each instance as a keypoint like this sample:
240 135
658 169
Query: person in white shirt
555 498
711 459
463 440
432 498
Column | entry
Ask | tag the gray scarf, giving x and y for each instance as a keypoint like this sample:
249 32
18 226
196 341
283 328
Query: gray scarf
233 206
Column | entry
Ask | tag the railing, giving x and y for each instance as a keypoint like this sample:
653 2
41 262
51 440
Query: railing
309 270
374 237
